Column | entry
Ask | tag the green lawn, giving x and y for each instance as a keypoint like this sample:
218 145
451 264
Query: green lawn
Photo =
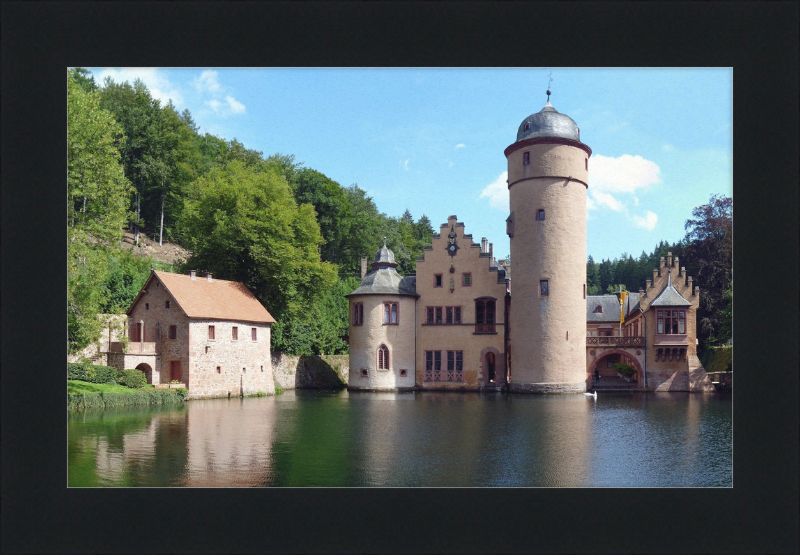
76 386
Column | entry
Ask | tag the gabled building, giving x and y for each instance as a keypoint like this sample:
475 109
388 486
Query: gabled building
655 331
211 335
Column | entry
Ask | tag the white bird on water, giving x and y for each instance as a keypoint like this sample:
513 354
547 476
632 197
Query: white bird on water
591 394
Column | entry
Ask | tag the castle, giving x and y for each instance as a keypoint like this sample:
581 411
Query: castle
462 323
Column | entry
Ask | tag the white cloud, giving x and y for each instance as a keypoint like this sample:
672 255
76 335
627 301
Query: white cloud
648 222
153 78
405 164
590 204
497 192
235 106
668 148
606 199
207 82
460 145
624 174
215 105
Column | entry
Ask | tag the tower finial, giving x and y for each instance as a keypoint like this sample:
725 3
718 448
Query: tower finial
384 241
550 80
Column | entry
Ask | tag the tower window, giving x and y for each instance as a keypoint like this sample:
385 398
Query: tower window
383 357
586 163
526 159
544 288
540 214
358 314
390 313
437 280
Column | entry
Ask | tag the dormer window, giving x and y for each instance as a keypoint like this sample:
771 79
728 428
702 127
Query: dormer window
527 126
598 309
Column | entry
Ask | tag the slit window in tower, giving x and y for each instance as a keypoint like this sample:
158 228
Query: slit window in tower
544 288
540 214
437 280
526 159
586 163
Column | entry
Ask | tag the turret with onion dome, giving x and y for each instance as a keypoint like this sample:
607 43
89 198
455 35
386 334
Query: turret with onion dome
382 327
548 174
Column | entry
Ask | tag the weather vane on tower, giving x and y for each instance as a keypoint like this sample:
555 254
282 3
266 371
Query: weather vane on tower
550 80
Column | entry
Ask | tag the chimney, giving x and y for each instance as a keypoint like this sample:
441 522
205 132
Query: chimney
484 242
642 293
655 274
689 283
677 262
683 269
193 274
363 266
208 277
649 283
661 263
669 259
491 251
697 291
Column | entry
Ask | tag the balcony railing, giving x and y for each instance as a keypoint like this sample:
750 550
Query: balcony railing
484 328
612 341
143 348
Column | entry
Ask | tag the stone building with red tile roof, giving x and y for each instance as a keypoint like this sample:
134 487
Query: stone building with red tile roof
211 335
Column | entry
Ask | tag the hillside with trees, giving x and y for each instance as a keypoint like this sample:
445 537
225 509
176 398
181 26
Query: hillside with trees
292 235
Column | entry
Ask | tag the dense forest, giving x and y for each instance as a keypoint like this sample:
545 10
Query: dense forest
291 234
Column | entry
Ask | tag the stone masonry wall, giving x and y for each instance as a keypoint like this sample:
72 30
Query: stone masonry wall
315 372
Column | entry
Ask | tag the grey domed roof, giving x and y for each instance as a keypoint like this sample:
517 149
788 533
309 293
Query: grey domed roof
386 281
548 122
384 256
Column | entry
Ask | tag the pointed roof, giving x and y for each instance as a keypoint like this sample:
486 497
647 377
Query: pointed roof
669 296
218 299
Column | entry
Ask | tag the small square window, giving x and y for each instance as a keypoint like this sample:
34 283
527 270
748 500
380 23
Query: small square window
166 304
437 280
544 287
466 280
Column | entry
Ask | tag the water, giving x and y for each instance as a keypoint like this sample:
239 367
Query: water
344 439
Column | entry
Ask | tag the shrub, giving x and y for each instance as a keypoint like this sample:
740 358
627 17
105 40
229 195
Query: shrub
132 378
133 397
182 392
626 370
278 390
91 373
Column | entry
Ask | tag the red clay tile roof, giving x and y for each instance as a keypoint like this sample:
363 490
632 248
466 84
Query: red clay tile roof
218 299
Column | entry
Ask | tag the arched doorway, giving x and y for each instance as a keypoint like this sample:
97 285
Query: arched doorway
491 371
148 372
603 367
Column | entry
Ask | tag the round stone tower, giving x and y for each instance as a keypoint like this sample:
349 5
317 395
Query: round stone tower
548 168
382 326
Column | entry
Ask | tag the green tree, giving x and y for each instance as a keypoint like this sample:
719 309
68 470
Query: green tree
708 256
592 277
243 224
97 202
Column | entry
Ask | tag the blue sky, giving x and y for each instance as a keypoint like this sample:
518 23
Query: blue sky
431 140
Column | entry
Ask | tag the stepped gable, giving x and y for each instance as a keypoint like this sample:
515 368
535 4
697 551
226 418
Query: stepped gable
215 299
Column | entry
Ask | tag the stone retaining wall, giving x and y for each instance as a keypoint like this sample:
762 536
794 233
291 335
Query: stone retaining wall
310 372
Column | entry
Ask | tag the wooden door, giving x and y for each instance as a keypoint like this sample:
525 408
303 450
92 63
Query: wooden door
175 370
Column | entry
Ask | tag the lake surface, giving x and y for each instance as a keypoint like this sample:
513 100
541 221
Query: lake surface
358 439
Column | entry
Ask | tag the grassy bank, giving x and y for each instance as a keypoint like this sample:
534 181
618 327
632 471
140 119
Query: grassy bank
97 395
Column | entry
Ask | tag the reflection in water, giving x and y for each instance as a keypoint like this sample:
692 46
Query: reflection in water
423 439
